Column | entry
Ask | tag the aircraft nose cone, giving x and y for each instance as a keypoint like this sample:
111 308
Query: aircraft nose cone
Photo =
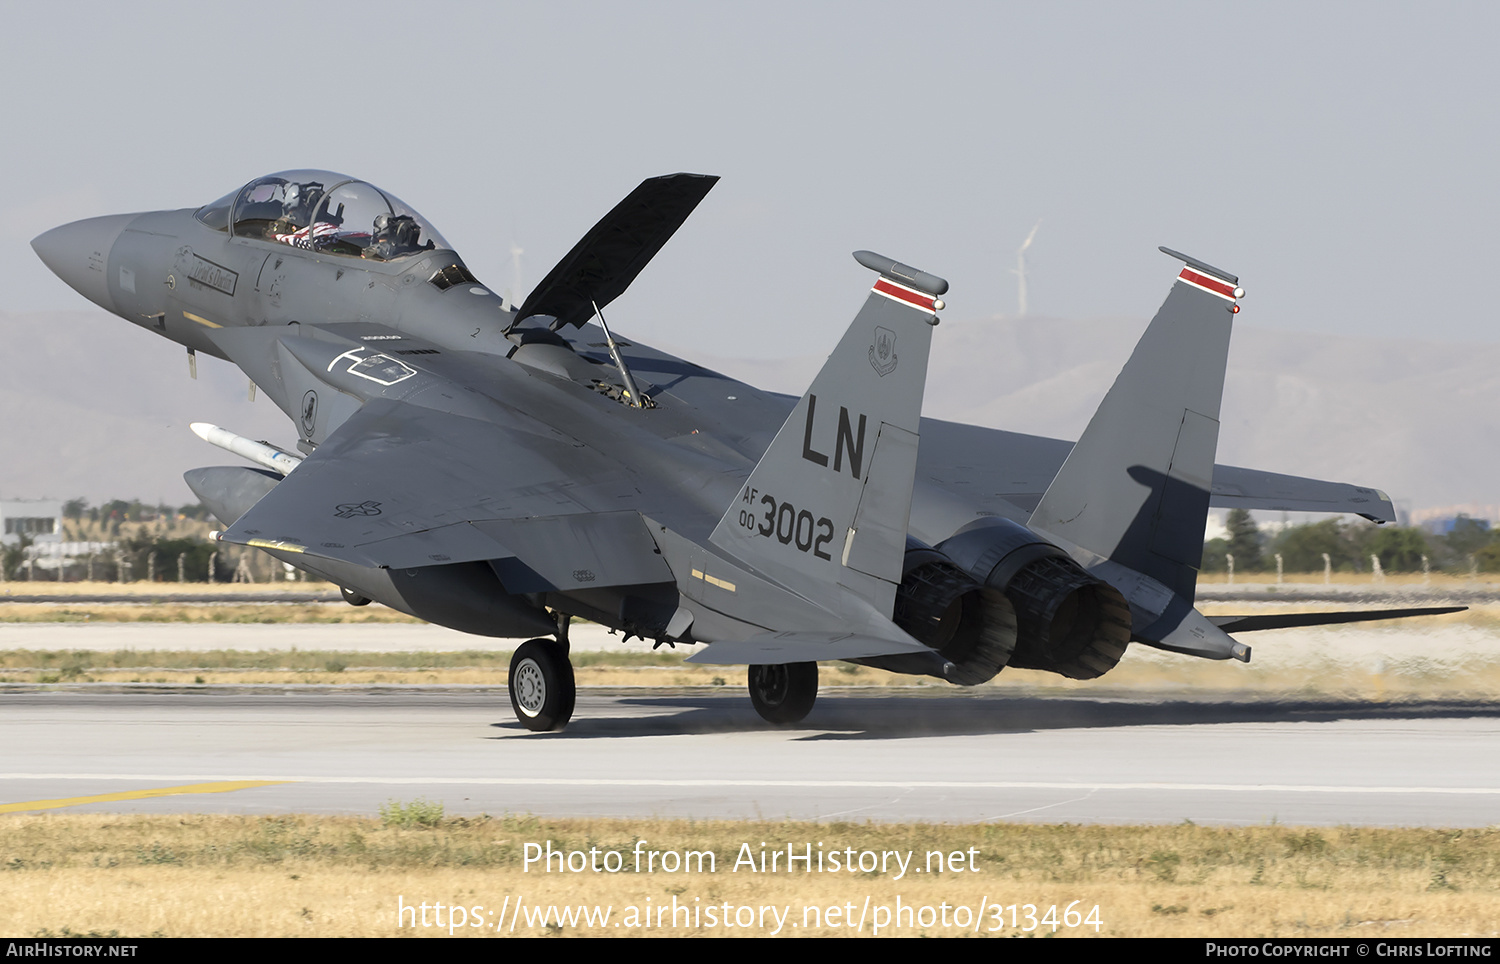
78 253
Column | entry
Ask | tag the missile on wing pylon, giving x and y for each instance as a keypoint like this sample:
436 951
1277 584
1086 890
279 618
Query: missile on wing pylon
258 452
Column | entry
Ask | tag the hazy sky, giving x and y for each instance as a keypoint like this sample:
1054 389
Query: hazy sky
1341 158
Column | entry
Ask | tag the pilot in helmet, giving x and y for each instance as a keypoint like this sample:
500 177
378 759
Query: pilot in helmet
395 235
299 201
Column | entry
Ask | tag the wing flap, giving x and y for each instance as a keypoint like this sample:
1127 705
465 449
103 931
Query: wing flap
459 542
579 551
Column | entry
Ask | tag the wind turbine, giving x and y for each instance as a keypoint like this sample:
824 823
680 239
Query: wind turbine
1020 269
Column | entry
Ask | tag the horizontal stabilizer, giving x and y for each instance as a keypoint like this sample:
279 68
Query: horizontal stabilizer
602 265
1248 624
1018 468
1237 488
772 648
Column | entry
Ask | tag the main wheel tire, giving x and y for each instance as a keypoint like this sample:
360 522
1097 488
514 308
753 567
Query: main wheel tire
542 691
785 692
354 598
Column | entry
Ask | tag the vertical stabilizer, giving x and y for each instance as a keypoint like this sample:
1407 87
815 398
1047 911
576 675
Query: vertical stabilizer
1135 488
825 511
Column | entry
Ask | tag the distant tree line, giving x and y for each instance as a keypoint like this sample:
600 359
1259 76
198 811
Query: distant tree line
119 510
1350 546
158 536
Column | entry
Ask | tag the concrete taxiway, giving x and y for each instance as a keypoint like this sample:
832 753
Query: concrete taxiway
863 756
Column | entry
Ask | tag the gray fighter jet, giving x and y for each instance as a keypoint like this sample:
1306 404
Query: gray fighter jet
501 469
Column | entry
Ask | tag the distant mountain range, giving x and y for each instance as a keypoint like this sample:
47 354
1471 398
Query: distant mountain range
94 408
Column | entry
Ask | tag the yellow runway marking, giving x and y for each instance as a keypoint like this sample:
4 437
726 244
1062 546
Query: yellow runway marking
221 787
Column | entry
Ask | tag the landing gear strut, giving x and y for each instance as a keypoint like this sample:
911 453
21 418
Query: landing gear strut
785 692
542 690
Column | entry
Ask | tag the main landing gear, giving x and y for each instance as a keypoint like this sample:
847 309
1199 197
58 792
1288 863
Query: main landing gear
542 690
353 598
785 692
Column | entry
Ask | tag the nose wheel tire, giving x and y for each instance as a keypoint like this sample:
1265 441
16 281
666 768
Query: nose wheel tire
542 691
784 693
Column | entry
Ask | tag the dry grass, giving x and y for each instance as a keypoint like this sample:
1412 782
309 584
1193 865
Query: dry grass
1346 662
144 602
1142 673
1436 581
334 876
1283 661
187 612
44 587
308 876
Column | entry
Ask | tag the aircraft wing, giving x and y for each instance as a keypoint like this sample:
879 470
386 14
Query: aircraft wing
987 464
400 486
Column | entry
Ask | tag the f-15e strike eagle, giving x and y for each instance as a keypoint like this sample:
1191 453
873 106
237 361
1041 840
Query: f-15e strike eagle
501 469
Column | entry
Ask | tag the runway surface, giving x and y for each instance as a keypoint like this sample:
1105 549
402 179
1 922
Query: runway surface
946 757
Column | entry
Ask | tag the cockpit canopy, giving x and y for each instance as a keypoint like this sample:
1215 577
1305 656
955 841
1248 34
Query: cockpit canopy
324 212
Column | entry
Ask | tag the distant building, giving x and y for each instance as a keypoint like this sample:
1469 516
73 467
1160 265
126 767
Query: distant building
1439 519
38 519
1445 525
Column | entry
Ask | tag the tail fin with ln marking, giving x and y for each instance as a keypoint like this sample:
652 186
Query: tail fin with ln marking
826 509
